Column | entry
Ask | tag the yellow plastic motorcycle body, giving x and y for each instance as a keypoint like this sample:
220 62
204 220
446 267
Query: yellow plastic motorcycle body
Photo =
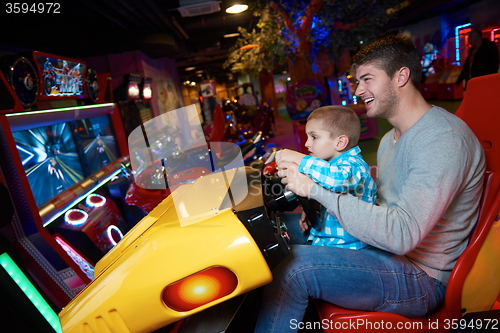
207 242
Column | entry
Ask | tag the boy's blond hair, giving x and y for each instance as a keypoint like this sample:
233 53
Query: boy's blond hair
338 120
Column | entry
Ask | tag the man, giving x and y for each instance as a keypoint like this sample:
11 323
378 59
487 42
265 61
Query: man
431 169
482 58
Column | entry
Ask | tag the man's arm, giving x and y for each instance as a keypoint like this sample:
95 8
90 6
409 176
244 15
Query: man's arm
422 201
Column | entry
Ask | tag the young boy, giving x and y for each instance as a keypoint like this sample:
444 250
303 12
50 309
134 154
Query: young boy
336 164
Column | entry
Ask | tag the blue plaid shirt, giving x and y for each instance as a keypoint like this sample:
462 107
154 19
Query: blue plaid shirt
347 173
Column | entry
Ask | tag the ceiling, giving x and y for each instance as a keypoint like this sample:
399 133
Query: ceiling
155 27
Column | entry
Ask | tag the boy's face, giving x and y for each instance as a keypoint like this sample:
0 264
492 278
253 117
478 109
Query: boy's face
376 90
320 142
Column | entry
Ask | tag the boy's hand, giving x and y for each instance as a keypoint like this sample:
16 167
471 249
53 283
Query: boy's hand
304 223
287 155
295 181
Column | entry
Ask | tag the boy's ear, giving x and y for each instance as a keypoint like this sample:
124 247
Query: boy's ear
342 143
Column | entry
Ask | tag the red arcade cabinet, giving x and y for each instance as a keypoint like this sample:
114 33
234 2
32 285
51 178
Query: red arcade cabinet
62 147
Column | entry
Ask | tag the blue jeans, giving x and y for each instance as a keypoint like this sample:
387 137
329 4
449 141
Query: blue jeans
369 279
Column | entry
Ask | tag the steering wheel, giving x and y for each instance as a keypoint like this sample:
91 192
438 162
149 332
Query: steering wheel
282 199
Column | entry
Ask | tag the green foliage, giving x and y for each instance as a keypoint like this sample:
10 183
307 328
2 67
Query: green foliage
272 49
339 25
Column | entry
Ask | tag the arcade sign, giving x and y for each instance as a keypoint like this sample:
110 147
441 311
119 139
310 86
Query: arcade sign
60 76
304 97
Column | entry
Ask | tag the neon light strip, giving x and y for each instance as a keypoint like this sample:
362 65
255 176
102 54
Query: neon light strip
82 220
492 34
78 200
83 107
30 291
95 204
457 42
115 228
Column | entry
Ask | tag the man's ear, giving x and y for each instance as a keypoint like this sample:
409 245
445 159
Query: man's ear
342 143
403 76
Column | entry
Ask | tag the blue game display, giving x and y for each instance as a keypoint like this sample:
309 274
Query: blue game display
50 159
96 142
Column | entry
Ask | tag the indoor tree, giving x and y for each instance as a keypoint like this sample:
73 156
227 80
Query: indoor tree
311 38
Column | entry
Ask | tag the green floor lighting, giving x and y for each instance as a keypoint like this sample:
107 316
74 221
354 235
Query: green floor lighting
31 292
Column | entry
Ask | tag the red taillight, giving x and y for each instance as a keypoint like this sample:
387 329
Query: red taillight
200 289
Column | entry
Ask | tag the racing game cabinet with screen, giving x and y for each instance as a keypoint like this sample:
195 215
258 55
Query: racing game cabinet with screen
50 158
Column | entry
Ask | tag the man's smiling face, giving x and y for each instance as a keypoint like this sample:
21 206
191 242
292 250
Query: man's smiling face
376 90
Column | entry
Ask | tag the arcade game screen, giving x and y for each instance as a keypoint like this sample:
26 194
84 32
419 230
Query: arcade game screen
95 139
50 159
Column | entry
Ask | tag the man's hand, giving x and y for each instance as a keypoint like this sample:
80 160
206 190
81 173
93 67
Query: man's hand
287 155
295 181
304 223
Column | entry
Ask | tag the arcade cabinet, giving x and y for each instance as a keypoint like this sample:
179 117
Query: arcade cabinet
22 304
430 66
246 96
133 97
440 83
62 147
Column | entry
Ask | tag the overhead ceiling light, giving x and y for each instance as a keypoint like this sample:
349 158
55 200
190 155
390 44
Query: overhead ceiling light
237 8
236 34
189 68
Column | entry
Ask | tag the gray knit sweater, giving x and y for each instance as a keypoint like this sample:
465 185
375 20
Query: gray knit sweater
430 184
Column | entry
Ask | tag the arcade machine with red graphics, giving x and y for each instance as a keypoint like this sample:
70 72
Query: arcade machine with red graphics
62 148
133 97
492 33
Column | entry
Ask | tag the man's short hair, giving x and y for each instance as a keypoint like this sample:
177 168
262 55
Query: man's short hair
338 120
390 54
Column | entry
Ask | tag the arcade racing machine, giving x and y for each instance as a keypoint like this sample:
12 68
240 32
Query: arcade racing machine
212 239
62 148
201 246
